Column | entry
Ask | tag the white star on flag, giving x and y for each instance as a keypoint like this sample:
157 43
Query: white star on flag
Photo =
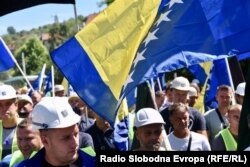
139 57
163 17
172 2
151 37
129 80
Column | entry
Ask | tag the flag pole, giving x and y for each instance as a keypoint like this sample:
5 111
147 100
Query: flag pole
230 79
42 77
165 142
53 81
75 13
13 58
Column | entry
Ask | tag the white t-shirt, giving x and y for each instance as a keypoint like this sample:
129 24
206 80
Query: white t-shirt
199 142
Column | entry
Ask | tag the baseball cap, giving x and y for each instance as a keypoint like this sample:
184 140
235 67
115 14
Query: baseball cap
181 83
58 88
24 97
7 92
241 89
73 95
146 116
53 112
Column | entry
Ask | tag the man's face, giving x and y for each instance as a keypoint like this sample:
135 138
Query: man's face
61 145
192 100
28 140
73 101
150 136
234 119
180 120
8 109
24 108
239 99
179 96
60 93
224 98
36 97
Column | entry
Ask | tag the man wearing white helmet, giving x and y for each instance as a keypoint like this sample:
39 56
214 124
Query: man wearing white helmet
8 120
148 128
57 123
180 88
240 93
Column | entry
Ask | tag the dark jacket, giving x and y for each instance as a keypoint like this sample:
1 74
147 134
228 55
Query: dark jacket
86 160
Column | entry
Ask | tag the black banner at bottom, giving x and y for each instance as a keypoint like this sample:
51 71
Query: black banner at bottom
172 158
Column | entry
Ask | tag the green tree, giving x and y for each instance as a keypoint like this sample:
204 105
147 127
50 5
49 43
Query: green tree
35 53
11 30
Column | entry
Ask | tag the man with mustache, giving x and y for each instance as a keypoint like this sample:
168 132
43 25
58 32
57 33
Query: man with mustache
148 128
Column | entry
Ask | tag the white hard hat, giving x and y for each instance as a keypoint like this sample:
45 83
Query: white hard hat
192 92
53 112
7 92
146 116
24 97
181 83
241 89
58 88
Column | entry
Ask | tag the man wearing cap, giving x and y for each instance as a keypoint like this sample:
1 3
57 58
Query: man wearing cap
59 91
8 120
57 123
25 106
148 127
240 93
193 96
180 88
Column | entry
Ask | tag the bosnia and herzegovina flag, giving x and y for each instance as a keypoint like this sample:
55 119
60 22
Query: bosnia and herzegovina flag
7 60
100 62
96 62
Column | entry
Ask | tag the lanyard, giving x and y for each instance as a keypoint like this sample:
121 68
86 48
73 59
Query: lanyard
221 119
189 142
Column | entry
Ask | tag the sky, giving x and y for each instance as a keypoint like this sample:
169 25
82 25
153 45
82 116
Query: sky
40 15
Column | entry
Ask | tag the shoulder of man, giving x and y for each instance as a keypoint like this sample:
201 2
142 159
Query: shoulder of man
209 112
164 113
6 161
36 160
87 156
194 112
217 143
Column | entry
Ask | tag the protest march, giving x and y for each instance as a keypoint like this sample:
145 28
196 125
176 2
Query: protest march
138 77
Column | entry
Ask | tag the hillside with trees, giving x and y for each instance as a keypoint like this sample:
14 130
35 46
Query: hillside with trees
33 47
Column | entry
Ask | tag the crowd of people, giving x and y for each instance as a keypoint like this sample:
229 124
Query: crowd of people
61 130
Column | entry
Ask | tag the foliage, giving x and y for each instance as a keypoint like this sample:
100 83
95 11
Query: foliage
35 50
11 30
35 53
107 2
